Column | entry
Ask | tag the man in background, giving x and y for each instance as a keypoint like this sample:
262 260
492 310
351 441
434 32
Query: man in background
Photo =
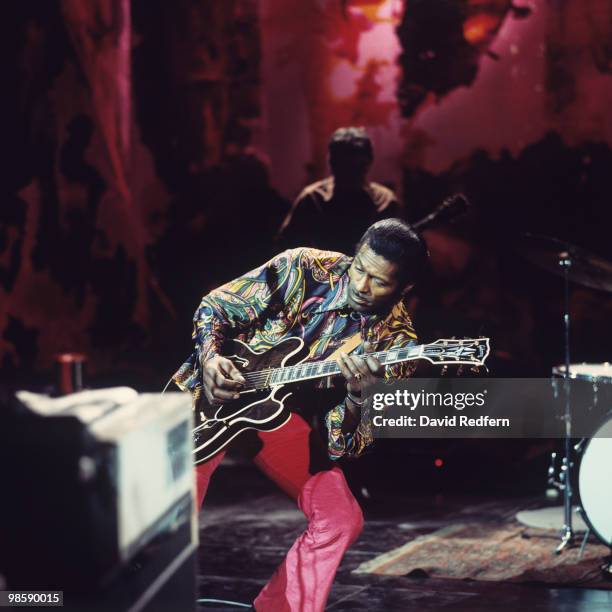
333 213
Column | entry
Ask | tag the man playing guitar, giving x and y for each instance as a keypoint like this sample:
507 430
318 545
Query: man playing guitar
332 303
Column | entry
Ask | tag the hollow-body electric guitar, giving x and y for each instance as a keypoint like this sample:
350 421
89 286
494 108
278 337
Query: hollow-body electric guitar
261 404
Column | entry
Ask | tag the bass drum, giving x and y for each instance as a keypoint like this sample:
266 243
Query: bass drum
595 482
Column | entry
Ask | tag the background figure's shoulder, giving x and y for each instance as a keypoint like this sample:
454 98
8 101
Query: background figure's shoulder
382 196
320 191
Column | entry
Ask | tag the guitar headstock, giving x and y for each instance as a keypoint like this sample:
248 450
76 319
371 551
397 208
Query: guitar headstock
468 351
453 207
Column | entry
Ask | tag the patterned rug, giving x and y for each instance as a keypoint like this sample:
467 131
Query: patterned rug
509 553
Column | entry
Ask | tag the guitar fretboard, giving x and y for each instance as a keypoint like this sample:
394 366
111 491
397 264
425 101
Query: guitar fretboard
318 369
441 352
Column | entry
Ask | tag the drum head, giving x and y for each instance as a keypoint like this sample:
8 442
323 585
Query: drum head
587 371
595 482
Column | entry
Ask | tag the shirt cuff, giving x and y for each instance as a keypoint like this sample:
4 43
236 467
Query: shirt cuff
346 444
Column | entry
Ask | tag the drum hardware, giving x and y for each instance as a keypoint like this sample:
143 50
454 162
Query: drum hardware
558 482
578 447
584 268
575 264
550 518
585 539
552 470
566 539
593 457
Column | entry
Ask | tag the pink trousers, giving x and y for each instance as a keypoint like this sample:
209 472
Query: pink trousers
303 580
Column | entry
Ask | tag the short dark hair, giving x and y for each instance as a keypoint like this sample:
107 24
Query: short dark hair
350 140
398 243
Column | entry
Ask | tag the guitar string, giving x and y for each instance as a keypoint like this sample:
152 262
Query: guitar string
268 376
310 370
327 367
330 365
263 375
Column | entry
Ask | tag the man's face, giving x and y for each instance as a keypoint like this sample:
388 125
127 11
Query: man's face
350 170
374 283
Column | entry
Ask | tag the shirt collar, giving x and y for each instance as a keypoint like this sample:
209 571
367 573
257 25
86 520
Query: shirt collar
341 306
339 299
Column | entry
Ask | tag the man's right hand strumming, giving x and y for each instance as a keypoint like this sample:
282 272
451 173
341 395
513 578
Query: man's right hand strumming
221 380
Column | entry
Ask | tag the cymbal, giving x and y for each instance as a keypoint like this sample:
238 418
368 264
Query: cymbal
553 255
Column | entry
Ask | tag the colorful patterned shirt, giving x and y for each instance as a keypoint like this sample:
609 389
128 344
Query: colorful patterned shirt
301 292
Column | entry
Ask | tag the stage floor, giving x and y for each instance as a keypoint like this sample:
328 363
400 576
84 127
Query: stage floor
247 526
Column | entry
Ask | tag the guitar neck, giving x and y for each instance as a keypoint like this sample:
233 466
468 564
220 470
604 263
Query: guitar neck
320 369
443 351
